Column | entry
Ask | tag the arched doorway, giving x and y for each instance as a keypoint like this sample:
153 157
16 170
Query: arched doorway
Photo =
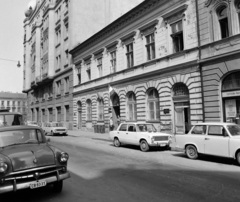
181 108
231 97
115 109
79 109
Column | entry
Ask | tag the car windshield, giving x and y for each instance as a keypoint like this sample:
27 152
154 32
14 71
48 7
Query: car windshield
11 120
146 127
56 124
15 137
234 129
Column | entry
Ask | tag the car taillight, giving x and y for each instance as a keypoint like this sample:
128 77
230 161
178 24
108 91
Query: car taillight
3 167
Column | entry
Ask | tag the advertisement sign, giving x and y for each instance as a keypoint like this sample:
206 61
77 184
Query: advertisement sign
231 93
231 110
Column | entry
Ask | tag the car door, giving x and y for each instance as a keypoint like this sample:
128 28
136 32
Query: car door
217 141
121 133
131 134
197 137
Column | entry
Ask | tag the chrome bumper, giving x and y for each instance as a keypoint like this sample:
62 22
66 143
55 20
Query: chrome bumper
26 185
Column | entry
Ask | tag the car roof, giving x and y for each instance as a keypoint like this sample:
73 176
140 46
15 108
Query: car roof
20 127
214 123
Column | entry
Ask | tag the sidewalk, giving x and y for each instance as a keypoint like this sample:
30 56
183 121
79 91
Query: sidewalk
78 133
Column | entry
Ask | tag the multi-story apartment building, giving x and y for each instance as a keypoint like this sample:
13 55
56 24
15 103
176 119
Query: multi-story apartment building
142 67
51 29
14 102
219 32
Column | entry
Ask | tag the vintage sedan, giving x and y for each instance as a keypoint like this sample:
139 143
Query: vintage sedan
54 128
144 135
29 161
218 139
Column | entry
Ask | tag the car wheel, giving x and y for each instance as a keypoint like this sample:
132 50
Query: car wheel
116 142
191 152
238 157
144 146
57 186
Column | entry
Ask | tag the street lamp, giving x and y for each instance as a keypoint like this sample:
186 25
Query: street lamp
18 62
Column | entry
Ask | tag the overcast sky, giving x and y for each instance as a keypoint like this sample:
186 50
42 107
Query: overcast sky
11 44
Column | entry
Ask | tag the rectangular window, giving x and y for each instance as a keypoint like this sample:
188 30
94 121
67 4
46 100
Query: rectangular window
43 115
216 130
154 111
129 54
66 86
150 46
67 113
50 115
66 58
88 65
224 27
58 88
113 61
99 65
177 36
59 114
132 111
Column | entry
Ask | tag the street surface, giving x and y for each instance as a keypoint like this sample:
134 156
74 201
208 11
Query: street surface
101 172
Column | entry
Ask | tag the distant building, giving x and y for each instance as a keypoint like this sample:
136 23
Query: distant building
51 29
14 102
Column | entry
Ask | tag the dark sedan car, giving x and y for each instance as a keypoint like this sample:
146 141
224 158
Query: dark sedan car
28 161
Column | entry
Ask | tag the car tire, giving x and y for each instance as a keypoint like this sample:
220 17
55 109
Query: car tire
238 158
191 152
57 186
144 146
116 142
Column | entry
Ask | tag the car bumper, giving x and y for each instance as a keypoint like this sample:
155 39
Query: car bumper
160 144
26 185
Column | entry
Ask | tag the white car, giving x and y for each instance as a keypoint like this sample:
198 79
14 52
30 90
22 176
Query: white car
144 135
31 123
218 139
53 128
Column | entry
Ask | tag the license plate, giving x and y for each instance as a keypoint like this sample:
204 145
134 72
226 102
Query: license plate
38 184
162 145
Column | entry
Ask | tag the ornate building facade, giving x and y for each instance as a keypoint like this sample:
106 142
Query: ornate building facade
142 67
51 29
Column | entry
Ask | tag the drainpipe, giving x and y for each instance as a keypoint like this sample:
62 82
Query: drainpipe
199 58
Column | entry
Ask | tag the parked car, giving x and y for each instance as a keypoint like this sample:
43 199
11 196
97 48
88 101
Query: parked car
29 161
218 139
54 128
143 134
31 123
10 118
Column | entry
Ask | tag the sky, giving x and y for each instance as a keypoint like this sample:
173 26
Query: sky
11 44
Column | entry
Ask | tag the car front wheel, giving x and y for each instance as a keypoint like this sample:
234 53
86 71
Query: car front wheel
144 146
116 142
191 152
238 158
57 186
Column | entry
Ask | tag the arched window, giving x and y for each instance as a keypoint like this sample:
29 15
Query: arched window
79 106
180 89
100 109
231 82
89 110
132 107
153 105
222 14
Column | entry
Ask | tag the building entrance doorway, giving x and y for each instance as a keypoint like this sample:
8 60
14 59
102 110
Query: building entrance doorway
182 121
115 109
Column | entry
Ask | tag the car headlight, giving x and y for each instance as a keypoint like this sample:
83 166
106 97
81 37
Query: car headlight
3 167
63 157
152 140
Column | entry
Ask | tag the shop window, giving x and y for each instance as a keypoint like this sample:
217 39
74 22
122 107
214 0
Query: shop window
132 107
223 21
153 105
100 109
232 81
89 110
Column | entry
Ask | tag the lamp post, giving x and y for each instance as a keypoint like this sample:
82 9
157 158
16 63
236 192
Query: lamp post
18 62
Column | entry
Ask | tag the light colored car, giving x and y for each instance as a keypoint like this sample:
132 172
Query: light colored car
144 135
218 139
31 123
54 128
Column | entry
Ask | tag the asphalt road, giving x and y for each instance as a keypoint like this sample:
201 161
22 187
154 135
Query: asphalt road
101 173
